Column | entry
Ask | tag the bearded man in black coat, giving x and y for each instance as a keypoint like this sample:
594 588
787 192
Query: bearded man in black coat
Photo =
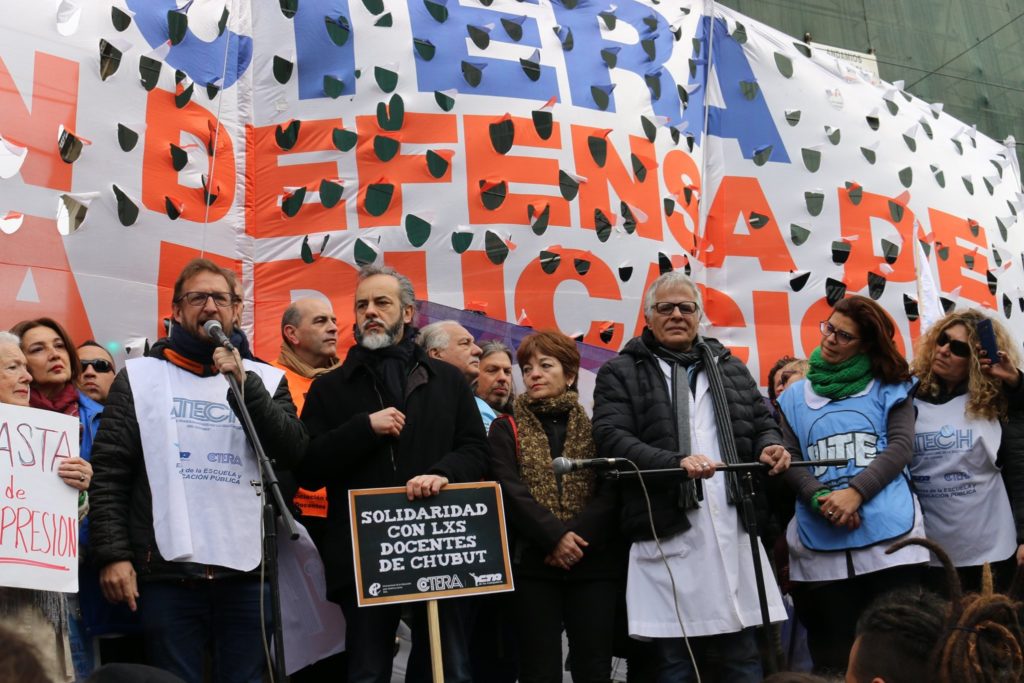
389 416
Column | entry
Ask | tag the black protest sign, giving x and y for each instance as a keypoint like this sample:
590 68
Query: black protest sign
449 545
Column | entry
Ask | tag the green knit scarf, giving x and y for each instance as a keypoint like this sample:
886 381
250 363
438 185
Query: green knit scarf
839 380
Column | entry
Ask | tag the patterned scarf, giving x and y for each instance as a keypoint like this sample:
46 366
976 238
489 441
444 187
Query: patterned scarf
839 380
564 496
64 401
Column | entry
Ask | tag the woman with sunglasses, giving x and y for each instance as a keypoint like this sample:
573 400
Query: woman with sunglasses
855 404
969 449
55 368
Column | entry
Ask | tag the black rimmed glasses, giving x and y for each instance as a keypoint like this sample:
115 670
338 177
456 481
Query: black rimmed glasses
667 307
960 349
197 299
828 329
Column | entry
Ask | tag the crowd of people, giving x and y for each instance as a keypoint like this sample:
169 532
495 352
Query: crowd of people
657 570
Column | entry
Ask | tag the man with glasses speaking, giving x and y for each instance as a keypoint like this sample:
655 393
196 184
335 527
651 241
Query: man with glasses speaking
175 519
675 399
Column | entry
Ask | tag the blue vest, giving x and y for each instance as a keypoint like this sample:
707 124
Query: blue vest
487 413
853 428
89 412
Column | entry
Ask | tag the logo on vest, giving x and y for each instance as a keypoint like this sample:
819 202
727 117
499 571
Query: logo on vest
946 439
224 458
857 446
205 412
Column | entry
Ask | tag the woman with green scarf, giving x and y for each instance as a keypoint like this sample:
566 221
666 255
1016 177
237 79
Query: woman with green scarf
855 404
566 558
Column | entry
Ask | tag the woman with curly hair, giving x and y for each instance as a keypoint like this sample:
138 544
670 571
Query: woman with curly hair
565 556
969 448
855 404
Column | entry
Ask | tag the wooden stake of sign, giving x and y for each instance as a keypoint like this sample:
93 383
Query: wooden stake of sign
434 627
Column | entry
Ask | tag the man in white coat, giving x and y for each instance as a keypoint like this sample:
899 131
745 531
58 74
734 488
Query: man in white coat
675 399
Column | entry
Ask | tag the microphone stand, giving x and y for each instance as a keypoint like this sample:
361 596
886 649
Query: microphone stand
272 506
749 516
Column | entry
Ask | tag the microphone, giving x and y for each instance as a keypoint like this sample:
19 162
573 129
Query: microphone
215 331
565 465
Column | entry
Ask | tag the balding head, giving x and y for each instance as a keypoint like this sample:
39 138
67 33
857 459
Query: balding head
310 328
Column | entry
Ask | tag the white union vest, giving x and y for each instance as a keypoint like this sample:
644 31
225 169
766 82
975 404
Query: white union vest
199 464
966 508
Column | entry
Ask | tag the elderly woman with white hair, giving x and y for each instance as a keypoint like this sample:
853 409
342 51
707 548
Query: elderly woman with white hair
39 616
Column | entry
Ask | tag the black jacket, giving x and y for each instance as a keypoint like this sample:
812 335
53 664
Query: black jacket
633 419
120 500
535 530
443 435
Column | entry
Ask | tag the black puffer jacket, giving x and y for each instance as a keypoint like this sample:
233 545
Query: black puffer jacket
443 435
633 419
120 501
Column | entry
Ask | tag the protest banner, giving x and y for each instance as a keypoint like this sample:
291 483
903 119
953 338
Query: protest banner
538 161
449 545
38 511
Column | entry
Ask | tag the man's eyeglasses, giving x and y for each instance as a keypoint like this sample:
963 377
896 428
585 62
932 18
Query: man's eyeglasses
98 364
960 349
197 299
667 307
828 329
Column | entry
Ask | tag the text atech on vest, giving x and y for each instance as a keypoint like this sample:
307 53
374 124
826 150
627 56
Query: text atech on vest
944 439
202 411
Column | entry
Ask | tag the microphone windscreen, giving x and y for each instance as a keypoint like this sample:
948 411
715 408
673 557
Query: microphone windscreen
561 465
211 325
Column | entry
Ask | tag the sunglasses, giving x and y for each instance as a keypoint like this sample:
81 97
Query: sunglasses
99 365
958 348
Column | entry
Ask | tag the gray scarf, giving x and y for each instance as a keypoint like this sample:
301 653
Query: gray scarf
685 367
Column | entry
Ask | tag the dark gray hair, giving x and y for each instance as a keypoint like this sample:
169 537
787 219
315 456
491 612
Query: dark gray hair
407 295
434 336
494 346
673 277
292 316
10 338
